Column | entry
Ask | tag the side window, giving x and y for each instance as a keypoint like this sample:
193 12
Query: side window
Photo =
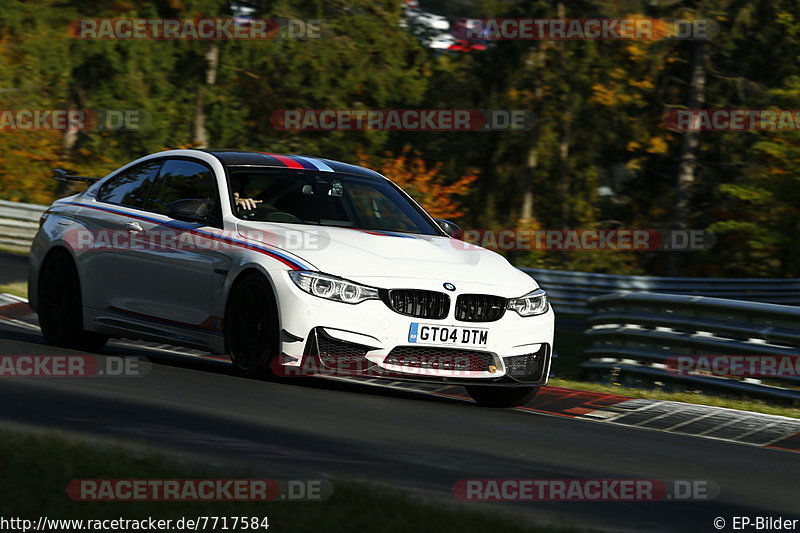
131 187
182 180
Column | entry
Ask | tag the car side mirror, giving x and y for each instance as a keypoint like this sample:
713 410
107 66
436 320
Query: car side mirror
451 228
191 210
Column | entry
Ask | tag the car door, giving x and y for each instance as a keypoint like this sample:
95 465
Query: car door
105 225
166 274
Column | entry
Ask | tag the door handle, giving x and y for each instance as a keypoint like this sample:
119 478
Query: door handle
133 227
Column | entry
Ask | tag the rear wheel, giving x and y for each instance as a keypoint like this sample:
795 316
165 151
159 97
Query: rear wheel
493 396
251 326
60 305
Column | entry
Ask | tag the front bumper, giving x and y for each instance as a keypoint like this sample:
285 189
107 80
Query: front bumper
370 339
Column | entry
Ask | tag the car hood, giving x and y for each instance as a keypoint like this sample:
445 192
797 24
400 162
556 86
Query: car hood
361 254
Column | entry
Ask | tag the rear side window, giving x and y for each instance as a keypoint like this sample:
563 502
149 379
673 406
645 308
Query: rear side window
182 180
131 187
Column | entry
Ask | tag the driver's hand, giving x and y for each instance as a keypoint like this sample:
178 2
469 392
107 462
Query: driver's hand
245 204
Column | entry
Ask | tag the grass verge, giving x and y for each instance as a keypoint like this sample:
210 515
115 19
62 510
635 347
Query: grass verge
19 288
757 406
35 471
16 250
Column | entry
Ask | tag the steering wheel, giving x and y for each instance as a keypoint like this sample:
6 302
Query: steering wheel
283 216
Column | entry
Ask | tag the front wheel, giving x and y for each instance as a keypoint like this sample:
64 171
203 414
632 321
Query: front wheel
251 326
493 396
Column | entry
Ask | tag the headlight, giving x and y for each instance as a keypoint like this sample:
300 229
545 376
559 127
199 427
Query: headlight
332 288
533 303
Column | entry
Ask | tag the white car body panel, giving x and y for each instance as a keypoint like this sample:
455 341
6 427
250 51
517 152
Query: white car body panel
179 295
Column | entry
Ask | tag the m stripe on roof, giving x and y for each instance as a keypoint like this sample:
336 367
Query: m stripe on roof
288 161
272 159
318 164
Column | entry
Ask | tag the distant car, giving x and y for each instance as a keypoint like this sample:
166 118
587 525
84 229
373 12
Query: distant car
465 32
290 265
424 19
462 45
442 41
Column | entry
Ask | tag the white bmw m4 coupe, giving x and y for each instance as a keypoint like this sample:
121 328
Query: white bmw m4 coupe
291 266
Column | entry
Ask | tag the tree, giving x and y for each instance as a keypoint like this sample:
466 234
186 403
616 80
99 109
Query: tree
423 182
760 226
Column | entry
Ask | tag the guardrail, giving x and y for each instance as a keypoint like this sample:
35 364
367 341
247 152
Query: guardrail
18 224
569 291
633 334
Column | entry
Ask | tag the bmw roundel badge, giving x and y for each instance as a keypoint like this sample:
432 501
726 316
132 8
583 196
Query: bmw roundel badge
449 286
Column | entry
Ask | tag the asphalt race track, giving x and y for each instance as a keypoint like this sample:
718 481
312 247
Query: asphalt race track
416 441
13 267
406 439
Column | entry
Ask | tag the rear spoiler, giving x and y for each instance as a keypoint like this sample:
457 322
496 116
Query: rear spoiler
64 175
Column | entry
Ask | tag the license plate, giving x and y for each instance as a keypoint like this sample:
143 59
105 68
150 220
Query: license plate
447 335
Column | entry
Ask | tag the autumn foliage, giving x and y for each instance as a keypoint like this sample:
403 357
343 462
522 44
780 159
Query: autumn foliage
598 154
424 182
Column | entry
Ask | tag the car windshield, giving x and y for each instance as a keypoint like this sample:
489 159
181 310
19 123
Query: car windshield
326 199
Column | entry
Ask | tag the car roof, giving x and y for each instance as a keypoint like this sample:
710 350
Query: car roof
234 158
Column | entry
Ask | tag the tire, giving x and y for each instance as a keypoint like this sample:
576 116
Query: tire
493 396
60 305
251 326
